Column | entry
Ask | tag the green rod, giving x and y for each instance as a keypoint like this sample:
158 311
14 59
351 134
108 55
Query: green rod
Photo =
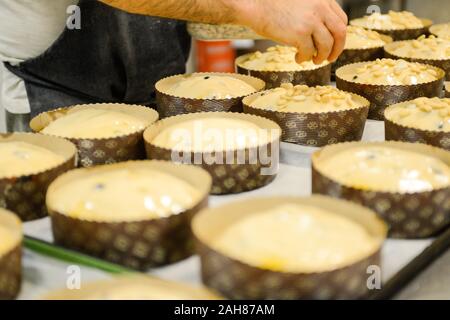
57 252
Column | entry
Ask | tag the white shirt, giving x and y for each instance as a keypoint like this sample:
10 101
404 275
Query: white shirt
28 28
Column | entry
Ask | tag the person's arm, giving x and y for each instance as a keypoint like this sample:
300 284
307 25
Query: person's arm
316 27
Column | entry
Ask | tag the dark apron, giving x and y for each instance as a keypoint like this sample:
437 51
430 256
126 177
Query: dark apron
114 57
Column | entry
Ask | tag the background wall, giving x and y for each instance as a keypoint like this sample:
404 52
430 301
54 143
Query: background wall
437 10
2 114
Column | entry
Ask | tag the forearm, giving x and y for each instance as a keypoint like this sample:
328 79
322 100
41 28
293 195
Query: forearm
317 28
208 11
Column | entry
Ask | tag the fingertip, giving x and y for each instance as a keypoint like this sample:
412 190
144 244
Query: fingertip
321 55
317 60
332 59
299 58
334 55
305 49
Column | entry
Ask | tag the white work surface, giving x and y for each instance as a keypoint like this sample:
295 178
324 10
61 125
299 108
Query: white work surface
294 178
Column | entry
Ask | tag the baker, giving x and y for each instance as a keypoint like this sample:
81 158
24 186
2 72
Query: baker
123 47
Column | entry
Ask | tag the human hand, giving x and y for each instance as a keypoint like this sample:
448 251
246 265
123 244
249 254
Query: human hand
317 28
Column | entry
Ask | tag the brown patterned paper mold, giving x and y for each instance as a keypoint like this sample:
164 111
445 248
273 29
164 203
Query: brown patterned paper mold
136 287
10 255
381 96
409 214
23 192
237 277
245 160
390 51
397 130
101 148
350 56
316 128
170 104
401 34
313 75
151 230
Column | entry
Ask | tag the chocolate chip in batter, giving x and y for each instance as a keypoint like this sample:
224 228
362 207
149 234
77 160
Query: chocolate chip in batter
99 186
